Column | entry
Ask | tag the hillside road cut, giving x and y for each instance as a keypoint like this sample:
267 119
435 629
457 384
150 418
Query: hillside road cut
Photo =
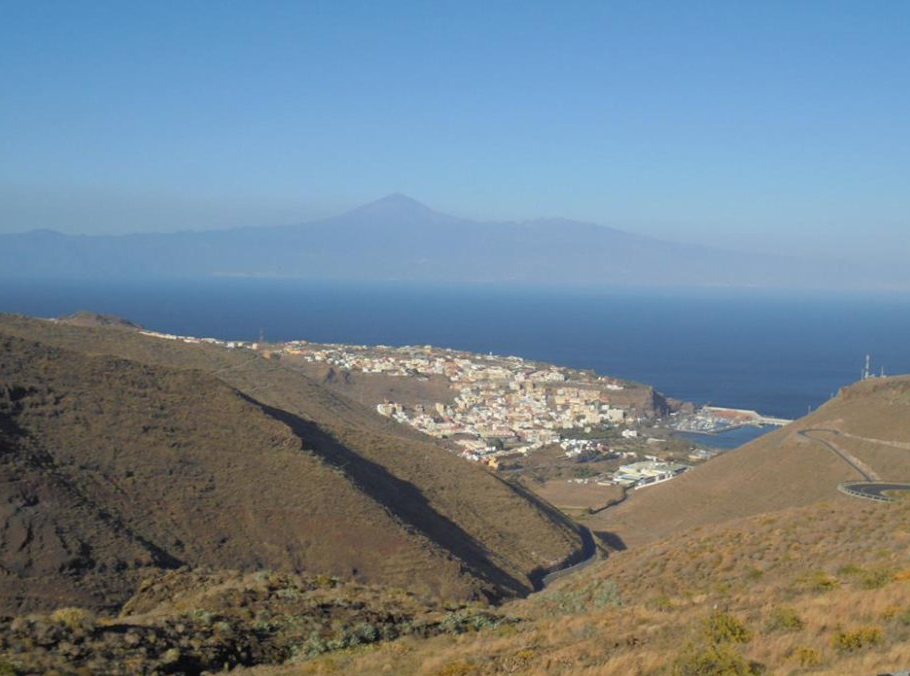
873 487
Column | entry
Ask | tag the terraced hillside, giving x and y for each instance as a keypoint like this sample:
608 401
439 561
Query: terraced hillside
124 452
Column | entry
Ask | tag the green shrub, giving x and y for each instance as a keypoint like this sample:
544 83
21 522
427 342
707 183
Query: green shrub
288 593
600 594
8 669
314 645
363 633
462 621
605 594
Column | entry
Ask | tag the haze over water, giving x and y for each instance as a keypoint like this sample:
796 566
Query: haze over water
772 352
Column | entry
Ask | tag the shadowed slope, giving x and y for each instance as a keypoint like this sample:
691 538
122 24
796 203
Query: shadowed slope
182 464
366 499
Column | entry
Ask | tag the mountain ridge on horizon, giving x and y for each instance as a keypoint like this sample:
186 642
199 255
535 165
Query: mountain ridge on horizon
398 238
396 203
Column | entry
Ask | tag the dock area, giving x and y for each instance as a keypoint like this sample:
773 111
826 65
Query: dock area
718 419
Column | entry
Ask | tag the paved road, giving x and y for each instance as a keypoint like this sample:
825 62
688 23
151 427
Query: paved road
849 459
589 552
872 488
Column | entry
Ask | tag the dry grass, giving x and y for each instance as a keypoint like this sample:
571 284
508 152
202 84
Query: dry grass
781 469
819 590
571 497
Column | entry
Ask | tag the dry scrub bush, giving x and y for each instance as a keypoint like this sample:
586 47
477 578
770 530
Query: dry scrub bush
806 656
816 581
73 618
784 618
857 639
713 660
722 627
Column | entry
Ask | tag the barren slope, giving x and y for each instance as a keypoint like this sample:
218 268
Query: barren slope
871 422
146 454
368 499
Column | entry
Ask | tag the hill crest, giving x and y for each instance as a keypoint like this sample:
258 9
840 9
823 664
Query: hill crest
226 459
867 425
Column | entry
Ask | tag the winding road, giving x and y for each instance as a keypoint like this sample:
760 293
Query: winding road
873 487
872 491
589 551
864 470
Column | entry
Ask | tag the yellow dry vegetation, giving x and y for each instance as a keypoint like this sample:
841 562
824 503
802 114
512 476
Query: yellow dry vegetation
816 590
785 468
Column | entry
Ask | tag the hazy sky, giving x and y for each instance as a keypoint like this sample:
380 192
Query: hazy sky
760 124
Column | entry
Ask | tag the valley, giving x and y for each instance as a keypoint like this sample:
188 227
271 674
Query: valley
184 505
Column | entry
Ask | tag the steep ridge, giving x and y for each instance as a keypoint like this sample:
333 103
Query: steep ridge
51 531
140 449
870 420
367 499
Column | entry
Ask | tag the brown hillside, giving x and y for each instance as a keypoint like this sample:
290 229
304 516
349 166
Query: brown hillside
368 499
146 448
822 590
870 421
375 388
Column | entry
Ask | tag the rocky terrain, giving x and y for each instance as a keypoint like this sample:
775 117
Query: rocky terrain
189 622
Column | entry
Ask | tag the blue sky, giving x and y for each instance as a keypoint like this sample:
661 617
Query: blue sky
773 125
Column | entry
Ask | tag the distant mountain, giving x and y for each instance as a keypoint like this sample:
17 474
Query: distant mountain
398 238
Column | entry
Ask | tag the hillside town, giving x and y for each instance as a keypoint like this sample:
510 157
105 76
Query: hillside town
501 403
507 406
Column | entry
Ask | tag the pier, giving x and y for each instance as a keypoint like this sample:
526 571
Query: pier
746 416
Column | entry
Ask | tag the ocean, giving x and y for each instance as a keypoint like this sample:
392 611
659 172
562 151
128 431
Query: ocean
775 352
